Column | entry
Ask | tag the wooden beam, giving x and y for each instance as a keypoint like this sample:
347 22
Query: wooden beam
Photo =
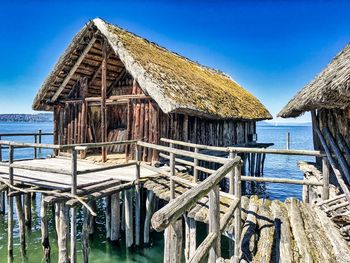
103 101
73 69
98 70
120 76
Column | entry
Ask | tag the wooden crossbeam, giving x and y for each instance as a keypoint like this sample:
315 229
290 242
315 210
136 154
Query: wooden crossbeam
99 69
73 69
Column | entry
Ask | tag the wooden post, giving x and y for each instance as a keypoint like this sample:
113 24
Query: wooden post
85 236
172 173
39 140
115 216
28 210
108 216
214 223
10 207
288 141
20 217
73 231
34 149
137 196
44 230
150 202
61 220
0 151
196 163
237 216
129 231
231 191
325 179
190 242
103 100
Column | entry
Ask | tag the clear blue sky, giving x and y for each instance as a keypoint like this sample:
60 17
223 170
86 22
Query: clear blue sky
272 48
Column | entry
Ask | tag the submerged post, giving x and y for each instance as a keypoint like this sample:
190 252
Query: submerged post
34 149
44 230
73 231
288 141
10 206
39 140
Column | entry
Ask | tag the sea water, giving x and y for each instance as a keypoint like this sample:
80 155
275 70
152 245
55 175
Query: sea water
281 166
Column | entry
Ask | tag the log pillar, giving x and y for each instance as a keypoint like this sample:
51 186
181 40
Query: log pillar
150 205
190 242
21 223
129 228
28 210
85 236
214 223
44 230
10 208
115 217
61 219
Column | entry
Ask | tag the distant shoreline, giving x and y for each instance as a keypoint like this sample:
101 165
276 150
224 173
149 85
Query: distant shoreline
40 117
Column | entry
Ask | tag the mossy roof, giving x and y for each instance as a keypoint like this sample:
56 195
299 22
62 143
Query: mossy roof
178 84
328 90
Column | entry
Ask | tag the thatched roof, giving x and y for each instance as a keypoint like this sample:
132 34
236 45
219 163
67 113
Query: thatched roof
176 83
330 89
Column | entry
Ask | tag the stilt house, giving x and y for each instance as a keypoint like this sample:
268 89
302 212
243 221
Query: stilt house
328 99
112 85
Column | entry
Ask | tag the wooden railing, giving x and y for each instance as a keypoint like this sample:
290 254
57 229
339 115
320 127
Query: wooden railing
74 148
37 138
233 151
168 215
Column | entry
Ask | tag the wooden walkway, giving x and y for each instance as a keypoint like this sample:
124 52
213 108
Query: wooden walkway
88 173
273 231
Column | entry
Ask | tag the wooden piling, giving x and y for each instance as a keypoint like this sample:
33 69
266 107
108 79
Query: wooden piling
61 220
150 204
85 236
44 230
137 196
190 237
129 229
21 223
115 217
28 210
73 229
325 179
108 217
10 207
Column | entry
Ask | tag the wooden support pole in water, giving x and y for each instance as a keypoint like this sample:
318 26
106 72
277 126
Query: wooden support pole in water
237 216
10 207
129 229
325 178
137 196
73 230
44 230
214 223
150 204
115 216
85 236
21 223
28 210
108 217
231 191
34 148
288 141
61 219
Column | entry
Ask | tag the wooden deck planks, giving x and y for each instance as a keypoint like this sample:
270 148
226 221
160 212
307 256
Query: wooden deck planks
289 231
57 181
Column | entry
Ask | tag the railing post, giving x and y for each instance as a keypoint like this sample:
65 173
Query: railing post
137 196
196 163
34 149
73 232
325 179
214 223
0 151
232 175
10 206
238 223
172 173
39 140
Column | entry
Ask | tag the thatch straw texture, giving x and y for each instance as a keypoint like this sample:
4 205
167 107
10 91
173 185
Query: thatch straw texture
176 83
329 90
